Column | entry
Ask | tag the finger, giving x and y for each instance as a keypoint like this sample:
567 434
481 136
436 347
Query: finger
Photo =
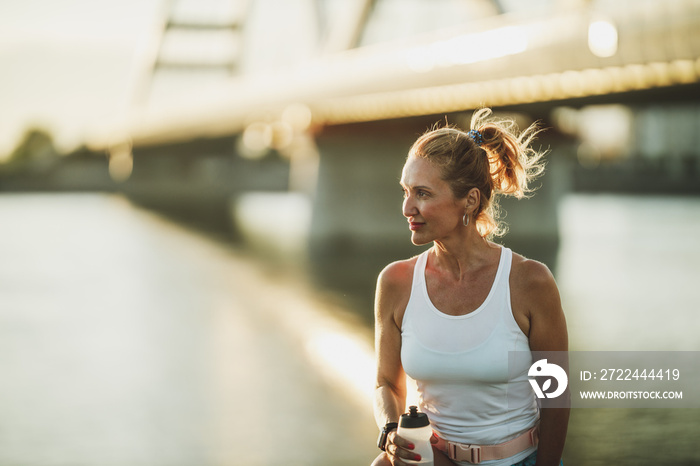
402 453
401 442
434 439
396 461
398 448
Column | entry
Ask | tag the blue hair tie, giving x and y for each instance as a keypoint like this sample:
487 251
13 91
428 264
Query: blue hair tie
476 136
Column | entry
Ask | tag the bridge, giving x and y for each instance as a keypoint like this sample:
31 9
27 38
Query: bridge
318 144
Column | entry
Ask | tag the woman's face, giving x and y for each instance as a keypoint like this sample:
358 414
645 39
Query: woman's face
432 211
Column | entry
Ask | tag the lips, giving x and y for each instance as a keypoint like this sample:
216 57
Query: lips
415 225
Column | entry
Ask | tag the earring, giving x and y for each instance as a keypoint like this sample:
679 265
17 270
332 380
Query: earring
465 219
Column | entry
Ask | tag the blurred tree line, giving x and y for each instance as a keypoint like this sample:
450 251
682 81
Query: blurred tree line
34 152
36 165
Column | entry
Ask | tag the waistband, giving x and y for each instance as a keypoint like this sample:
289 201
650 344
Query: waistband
475 454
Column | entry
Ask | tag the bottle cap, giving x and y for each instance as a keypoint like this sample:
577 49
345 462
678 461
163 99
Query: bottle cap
414 419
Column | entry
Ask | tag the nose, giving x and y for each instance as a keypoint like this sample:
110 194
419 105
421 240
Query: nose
409 208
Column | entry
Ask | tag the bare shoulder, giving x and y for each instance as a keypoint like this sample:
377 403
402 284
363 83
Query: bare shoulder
398 274
394 290
529 272
532 284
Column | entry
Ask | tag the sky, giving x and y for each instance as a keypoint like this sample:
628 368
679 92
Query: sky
66 65
71 66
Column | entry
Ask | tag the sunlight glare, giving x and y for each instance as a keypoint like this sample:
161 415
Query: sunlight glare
602 39
468 48
344 358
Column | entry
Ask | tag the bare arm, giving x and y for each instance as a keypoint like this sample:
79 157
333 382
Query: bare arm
547 333
390 394
393 291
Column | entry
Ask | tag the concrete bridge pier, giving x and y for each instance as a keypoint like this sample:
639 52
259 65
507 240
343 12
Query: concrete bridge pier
357 204
197 180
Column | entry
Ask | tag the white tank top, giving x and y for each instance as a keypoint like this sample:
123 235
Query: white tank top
460 364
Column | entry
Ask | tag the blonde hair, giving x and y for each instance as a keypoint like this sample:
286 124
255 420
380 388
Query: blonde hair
494 157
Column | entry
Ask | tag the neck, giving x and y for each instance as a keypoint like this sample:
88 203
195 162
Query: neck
463 254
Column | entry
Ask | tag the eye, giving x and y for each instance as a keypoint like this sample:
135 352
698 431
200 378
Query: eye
421 193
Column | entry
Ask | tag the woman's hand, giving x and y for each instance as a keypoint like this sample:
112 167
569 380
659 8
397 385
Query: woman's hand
398 449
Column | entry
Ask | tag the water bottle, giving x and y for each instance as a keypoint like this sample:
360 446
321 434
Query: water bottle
415 427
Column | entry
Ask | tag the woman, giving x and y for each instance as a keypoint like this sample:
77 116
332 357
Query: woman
449 317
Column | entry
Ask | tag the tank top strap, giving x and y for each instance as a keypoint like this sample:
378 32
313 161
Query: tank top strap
504 266
501 285
419 272
414 300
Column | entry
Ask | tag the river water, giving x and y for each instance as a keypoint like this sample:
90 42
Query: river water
127 339
628 269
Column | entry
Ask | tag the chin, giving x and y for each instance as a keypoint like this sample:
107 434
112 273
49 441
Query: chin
418 241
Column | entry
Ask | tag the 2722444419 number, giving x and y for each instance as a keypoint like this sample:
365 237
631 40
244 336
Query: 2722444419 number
636 374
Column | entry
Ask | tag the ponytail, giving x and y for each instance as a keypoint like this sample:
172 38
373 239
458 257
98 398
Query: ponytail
512 162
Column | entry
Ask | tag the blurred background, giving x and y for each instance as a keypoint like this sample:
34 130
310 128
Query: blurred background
196 198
